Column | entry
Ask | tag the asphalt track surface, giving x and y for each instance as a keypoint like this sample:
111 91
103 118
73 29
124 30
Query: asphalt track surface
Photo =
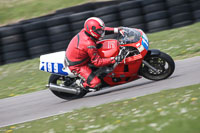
42 104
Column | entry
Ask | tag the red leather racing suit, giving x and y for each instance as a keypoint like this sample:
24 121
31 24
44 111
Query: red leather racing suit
81 51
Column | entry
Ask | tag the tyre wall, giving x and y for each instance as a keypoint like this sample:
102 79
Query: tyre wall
30 38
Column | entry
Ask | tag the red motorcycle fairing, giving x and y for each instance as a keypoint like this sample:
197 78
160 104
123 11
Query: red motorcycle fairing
108 48
127 70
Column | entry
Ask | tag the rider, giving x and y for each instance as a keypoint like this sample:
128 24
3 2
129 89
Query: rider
82 50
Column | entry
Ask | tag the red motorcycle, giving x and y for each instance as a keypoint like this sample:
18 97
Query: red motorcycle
139 61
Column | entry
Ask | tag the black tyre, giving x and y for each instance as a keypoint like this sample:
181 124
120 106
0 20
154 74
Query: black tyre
196 14
148 2
158 24
110 17
104 3
14 55
56 79
54 21
60 46
34 26
13 47
38 42
132 21
195 5
80 16
77 25
1 59
179 9
130 13
158 29
8 31
156 16
39 50
181 17
113 24
129 5
197 20
139 26
183 23
60 37
106 10
58 29
35 34
76 32
162 62
154 8
171 3
12 39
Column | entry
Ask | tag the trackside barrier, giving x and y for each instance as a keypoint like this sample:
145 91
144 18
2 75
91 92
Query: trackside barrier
30 38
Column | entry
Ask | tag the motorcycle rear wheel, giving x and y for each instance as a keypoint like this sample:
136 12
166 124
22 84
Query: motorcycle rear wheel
162 62
56 79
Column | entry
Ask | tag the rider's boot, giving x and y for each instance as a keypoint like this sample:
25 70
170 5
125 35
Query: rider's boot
96 88
79 84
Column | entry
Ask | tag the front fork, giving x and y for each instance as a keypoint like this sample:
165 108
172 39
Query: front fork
151 52
149 66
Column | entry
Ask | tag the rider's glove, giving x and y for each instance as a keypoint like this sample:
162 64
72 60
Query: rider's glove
119 58
119 30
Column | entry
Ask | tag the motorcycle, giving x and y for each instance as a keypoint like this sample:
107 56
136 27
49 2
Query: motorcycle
139 61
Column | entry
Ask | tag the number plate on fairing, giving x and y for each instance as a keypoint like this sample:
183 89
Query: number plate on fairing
56 68
53 63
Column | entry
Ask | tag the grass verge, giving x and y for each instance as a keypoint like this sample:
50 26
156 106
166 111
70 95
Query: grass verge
179 43
21 78
169 111
14 10
24 77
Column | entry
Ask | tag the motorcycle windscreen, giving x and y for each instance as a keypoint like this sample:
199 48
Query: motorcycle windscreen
108 48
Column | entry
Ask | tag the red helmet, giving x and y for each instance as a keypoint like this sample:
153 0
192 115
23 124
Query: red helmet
95 27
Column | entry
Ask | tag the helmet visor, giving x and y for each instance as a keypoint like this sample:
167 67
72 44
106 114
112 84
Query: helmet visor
99 31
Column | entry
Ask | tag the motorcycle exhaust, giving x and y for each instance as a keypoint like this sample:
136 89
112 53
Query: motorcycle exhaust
58 88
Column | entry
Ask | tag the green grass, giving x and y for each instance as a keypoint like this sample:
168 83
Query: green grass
20 78
12 11
169 111
24 77
179 43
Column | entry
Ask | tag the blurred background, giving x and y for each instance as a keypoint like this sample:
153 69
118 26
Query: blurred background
30 28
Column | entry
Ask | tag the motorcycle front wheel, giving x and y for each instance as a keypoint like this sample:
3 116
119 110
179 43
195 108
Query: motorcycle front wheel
60 80
163 63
